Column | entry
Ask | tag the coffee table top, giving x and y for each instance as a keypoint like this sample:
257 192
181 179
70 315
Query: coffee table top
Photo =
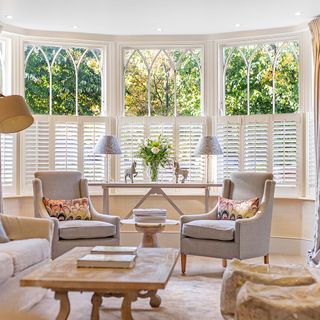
152 271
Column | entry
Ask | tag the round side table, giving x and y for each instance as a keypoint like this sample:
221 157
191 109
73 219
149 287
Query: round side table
150 231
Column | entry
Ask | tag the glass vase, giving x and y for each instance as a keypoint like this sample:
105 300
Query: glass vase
154 172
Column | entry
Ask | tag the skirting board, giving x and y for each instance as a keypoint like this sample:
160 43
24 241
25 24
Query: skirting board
278 245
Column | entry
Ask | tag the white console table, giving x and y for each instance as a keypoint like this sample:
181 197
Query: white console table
154 188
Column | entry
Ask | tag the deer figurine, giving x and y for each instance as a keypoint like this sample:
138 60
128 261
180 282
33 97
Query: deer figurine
131 172
177 171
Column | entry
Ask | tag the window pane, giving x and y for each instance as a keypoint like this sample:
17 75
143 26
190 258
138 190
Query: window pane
235 83
287 80
162 86
63 84
1 68
261 82
89 85
136 86
188 83
162 82
37 80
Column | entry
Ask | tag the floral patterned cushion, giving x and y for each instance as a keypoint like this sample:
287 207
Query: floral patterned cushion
76 209
236 209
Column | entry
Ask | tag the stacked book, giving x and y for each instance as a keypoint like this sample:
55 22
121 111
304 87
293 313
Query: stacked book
109 257
150 215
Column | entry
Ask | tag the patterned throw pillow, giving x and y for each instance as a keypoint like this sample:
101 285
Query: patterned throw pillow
76 209
236 209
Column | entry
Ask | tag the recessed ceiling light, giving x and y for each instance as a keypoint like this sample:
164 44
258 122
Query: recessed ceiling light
298 13
75 27
237 25
159 29
8 16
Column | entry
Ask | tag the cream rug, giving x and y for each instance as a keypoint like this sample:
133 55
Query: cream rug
195 296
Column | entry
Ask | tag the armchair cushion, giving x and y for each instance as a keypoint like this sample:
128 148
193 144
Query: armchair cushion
80 229
26 253
229 209
210 229
76 209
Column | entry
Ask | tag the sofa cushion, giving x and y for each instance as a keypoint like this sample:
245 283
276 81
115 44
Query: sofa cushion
6 266
26 253
210 229
85 229
3 236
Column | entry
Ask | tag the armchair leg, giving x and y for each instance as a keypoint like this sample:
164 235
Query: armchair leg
183 263
266 259
224 263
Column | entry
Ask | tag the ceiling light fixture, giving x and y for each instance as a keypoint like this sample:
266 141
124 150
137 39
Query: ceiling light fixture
75 27
159 29
237 25
298 13
8 16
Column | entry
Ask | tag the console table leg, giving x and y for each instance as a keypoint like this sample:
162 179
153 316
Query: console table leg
64 304
129 297
96 301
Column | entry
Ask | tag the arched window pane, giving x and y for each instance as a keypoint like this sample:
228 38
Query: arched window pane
162 86
260 83
1 69
37 81
188 83
236 85
286 81
63 85
89 85
136 87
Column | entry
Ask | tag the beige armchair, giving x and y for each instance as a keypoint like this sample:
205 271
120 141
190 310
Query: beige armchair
204 235
100 230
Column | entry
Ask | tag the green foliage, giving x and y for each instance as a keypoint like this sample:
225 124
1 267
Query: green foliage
63 65
163 74
262 62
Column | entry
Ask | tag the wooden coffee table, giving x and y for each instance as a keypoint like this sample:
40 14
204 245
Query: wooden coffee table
152 272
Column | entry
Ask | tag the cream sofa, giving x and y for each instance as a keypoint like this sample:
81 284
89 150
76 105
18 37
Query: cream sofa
28 249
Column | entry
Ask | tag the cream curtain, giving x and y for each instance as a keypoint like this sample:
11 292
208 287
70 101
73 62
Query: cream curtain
315 31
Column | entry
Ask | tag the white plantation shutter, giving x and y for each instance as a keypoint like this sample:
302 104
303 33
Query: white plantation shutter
285 152
189 134
131 134
8 164
228 134
93 164
36 150
256 144
66 145
166 130
184 134
261 143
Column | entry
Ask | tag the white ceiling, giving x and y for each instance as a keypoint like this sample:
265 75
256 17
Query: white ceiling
142 17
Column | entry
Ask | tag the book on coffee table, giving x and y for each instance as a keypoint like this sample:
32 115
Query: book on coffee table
106 261
114 250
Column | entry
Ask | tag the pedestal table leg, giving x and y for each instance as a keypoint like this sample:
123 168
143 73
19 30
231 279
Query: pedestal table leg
96 301
129 297
64 304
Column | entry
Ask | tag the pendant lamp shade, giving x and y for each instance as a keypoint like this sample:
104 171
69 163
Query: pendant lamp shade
15 115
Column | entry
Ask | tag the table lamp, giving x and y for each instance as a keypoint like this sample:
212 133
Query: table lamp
15 116
107 145
208 145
